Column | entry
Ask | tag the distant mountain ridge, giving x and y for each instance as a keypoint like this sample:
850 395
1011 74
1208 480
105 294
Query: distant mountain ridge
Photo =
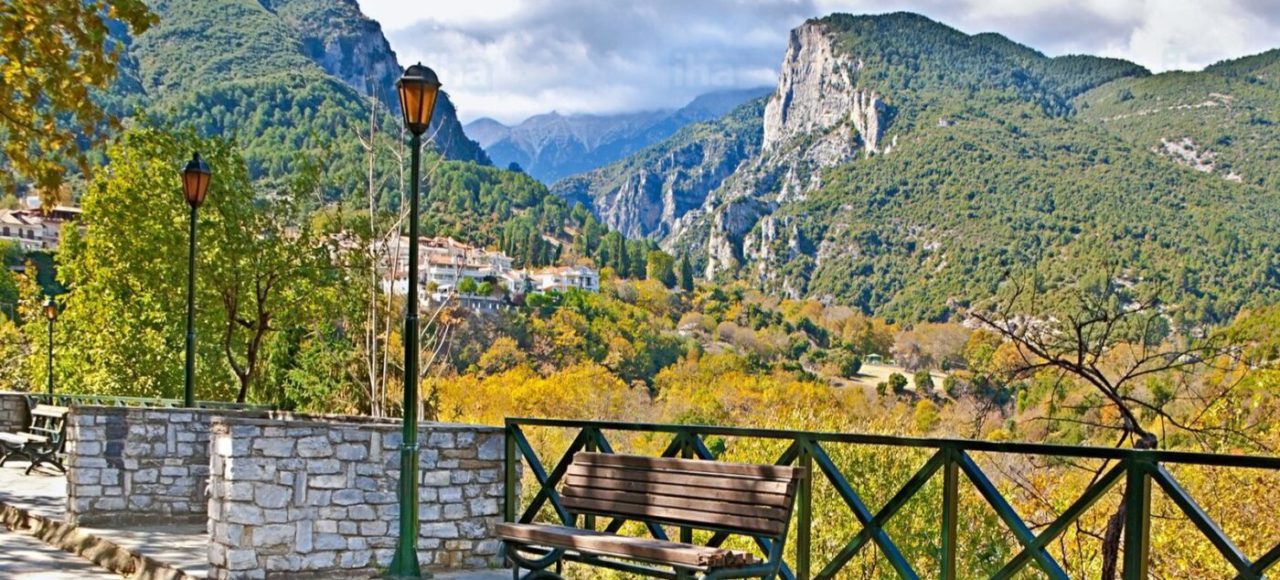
551 145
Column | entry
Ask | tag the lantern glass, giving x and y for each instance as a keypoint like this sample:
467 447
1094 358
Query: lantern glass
50 309
418 89
195 180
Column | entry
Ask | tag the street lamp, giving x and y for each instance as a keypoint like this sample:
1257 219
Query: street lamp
51 313
418 88
195 184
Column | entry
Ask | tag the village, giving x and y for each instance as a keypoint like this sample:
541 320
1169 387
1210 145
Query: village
476 278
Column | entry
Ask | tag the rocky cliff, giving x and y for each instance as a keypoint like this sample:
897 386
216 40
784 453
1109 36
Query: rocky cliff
350 46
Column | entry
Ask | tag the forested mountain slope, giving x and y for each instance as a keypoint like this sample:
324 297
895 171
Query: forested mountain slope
285 77
1224 120
908 169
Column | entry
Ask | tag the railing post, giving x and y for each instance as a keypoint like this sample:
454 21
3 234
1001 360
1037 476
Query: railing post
804 509
950 513
589 520
1137 516
509 476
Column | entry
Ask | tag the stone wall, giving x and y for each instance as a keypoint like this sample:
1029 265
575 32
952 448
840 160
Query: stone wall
13 411
319 496
138 464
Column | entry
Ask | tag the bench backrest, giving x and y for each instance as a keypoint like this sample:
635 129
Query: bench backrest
732 497
49 421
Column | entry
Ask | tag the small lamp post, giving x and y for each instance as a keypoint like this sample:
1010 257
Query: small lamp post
50 313
418 88
195 184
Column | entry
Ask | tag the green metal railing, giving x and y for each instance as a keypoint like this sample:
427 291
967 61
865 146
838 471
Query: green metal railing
106 401
1139 469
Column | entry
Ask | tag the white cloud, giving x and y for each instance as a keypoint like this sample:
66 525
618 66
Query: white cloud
509 59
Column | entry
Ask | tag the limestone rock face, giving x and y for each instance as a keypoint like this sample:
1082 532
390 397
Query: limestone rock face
817 91
816 119
350 46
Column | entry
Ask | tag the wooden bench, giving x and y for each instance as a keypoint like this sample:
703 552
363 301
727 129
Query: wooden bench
726 498
43 440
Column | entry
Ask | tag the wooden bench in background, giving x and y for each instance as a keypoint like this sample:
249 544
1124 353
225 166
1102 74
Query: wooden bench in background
727 498
43 440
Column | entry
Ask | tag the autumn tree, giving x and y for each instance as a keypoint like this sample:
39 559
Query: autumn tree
54 55
1114 340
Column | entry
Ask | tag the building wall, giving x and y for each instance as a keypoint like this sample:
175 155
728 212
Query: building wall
138 464
320 496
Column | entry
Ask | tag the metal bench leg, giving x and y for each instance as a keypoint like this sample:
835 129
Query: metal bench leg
537 567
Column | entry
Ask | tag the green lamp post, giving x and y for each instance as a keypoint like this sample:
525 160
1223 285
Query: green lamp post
418 88
195 184
50 313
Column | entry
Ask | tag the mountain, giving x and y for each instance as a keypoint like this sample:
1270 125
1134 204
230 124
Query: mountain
1224 120
909 169
552 146
282 76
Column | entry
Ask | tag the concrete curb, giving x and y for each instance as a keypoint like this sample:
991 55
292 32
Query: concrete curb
104 553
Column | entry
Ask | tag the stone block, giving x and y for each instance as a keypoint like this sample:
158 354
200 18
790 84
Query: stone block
450 494
273 535
314 447
271 496
274 447
484 507
241 559
374 528
455 511
351 452
491 448
239 513
348 497
319 561
332 481
442 530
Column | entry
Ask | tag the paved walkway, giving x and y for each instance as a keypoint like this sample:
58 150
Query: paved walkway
23 557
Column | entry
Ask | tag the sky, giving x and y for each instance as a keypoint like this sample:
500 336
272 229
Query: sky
510 59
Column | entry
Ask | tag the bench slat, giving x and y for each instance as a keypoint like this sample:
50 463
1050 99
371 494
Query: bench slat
674 516
50 411
711 481
774 472
777 500
604 544
682 501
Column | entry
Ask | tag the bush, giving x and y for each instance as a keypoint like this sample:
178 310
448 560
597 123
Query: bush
924 382
898 382
850 364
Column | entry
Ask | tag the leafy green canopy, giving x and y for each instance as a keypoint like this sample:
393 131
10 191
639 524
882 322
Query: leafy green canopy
125 314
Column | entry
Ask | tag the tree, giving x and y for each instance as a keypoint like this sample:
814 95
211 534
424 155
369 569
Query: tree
686 274
468 286
850 364
56 53
898 383
124 314
923 381
1111 339
659 266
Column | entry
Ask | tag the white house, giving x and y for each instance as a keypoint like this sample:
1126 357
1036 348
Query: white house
34 229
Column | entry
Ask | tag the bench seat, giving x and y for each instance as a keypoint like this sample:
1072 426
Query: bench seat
732 499
605 544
